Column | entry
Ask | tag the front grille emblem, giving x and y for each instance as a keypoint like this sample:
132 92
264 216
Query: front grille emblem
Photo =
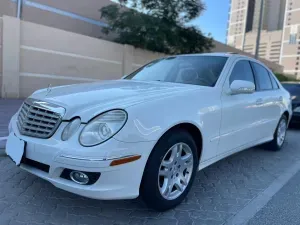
48 89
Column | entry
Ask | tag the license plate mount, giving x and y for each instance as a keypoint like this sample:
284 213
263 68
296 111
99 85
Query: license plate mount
15 148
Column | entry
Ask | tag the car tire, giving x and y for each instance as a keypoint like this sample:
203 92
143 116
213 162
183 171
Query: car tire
279 135
166 167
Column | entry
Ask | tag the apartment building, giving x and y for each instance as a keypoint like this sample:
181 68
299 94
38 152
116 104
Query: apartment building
280 37
290 52
269 47
273 15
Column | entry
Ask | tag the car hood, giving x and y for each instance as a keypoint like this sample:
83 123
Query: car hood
88 100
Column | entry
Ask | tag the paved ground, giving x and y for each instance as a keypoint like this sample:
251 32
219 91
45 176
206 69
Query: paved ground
7 109
284 208
219 193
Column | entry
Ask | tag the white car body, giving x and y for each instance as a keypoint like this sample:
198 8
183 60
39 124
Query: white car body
228 124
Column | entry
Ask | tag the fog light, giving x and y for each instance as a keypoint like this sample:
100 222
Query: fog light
79 177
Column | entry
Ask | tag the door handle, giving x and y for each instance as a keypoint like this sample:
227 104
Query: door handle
259 101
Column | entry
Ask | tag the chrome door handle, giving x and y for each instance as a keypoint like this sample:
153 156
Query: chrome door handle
259 101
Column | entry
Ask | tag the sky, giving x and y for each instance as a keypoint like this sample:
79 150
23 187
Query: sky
214 19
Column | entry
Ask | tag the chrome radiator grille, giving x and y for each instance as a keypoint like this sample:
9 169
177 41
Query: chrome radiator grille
39 119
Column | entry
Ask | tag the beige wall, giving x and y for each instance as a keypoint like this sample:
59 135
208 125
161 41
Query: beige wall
8 8
10 57
35 56
86 8
61 22
60 57
52 56
139 58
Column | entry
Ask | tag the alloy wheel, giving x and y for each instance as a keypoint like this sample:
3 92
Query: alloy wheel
175 171
281 132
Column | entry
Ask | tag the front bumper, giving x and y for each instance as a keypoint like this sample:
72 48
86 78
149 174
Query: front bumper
117 182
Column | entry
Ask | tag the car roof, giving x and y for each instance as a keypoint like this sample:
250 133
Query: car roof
231 55
290 82
223 54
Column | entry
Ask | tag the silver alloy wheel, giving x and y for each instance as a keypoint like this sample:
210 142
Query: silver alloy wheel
281 132
175 171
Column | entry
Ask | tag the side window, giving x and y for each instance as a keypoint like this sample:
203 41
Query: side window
274 83
262 77
242 71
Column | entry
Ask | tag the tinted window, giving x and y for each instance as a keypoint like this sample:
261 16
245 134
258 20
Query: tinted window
262 77
242 71
294 89
274 83
197 70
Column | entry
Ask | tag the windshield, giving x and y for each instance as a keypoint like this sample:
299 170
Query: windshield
196 70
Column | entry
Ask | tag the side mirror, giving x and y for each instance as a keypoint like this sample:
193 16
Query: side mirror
242 87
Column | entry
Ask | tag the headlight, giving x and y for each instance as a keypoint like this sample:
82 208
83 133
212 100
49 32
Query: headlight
102 128
293 97
70 129
297 109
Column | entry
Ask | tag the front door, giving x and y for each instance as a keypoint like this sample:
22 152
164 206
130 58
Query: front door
240 113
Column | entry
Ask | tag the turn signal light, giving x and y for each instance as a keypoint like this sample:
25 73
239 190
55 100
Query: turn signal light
125 160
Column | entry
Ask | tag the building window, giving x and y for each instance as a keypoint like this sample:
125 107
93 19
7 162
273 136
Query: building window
293 39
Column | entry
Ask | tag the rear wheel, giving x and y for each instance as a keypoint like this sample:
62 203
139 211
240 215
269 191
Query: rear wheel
170 171
279 135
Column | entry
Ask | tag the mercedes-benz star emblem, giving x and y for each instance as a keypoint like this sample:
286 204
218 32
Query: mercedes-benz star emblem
48 89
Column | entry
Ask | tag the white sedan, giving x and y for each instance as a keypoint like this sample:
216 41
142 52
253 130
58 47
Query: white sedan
150 132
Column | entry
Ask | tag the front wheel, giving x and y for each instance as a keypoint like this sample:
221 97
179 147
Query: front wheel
170 171
279 135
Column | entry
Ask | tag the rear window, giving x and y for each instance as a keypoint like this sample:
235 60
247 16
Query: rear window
196 70
262 77
274 82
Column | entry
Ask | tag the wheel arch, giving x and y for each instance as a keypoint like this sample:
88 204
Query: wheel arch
192 129
287 114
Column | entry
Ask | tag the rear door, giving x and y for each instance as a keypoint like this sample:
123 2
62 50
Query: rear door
268 102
